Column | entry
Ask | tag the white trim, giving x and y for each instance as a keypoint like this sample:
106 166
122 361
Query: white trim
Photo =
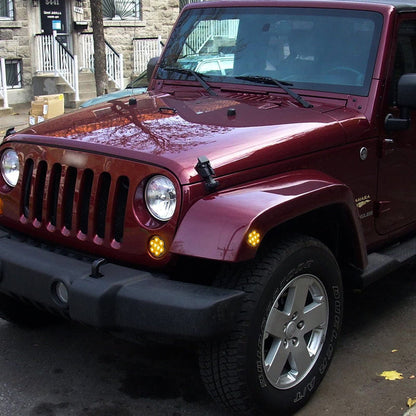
3 83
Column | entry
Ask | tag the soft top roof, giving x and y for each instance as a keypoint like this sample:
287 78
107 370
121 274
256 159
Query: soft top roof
399 5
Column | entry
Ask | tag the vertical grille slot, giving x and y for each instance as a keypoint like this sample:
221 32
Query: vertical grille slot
84 199
26 187
68 196
101 203
119 207
54 185
40 189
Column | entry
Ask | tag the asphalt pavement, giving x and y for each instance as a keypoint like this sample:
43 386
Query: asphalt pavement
66 369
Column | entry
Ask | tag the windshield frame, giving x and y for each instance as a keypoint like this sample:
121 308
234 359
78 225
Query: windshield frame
174 47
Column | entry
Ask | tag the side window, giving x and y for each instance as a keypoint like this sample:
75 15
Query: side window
6 9
405 59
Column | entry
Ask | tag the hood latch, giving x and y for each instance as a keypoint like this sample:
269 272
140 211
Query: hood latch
205 170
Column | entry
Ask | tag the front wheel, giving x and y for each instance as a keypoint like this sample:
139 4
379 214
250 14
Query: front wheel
285 336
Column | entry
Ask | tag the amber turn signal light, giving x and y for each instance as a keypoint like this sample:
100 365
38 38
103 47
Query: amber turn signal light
253 238
157 246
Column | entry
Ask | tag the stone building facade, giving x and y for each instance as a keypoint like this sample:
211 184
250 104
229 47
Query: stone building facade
22 21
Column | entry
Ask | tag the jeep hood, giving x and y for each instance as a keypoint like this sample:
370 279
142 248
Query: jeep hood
236 132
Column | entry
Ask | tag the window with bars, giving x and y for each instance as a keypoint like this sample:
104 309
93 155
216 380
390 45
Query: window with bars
121 9
13 73
6 9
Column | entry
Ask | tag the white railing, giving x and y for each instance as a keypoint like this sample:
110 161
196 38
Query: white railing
143 51
114 66
52 56
114 60
87 51
207 31
3 83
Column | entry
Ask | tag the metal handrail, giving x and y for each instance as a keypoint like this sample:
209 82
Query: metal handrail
53 56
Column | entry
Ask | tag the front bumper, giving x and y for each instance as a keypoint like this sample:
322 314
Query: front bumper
123 299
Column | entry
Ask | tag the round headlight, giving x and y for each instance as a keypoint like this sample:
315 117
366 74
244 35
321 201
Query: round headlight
10 167
160 196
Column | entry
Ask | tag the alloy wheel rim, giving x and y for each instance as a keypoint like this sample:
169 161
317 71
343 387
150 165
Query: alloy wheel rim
295 331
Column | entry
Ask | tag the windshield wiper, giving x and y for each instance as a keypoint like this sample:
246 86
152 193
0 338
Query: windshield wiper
282 84
195 74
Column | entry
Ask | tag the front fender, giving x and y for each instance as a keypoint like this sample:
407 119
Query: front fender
216 226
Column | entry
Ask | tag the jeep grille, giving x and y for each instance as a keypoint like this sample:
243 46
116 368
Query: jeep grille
74 199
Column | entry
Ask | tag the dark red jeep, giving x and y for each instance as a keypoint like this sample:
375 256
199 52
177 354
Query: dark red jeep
272 162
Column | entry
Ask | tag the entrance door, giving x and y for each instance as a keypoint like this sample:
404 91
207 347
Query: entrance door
54 18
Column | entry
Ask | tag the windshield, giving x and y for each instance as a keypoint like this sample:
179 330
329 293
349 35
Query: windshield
315 49
140 82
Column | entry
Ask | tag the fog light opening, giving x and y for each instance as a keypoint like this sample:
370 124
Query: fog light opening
157 246
61 292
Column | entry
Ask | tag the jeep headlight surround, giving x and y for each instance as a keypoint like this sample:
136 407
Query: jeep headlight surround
160 197
10 167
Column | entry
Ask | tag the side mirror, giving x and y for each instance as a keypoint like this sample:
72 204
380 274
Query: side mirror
407 91
406 99
151 65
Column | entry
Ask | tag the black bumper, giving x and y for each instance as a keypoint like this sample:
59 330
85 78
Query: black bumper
123 299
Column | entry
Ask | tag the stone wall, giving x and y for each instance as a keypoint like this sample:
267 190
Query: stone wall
17 36
15 43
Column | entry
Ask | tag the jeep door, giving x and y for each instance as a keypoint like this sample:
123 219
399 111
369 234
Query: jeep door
396 206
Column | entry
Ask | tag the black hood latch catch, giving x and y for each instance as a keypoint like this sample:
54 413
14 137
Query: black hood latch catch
205 170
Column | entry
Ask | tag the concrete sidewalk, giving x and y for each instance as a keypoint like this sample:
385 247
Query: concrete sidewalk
19 118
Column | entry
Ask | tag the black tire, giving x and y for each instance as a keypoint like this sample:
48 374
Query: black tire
241 371
23 314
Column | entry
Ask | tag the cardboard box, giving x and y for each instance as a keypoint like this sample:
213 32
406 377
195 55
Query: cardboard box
38 108
47 106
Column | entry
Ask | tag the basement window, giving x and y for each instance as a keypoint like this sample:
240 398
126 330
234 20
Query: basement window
6 10
13 73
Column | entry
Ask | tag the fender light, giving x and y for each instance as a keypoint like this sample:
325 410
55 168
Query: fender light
253 238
